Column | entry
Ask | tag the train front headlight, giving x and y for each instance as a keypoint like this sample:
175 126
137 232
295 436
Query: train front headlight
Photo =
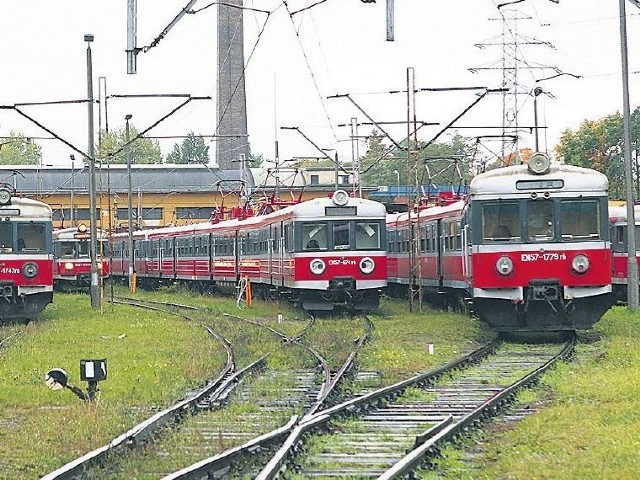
340 198
317 266
367 265
68 266
504 265
580 263
30 270
539 163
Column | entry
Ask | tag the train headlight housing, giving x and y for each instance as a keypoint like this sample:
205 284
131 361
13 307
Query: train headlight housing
367 265
504 266
30 270
5 196
317 266
539 163
580 263
68 266
340 198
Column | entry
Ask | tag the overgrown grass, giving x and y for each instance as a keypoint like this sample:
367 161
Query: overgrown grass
153 359
589 426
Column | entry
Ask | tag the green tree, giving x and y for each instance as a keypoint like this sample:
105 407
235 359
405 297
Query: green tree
16 149
142 150
255 160
437 163
193 149
598 144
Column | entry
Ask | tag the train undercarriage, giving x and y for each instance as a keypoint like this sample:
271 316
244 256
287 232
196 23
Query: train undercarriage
17 307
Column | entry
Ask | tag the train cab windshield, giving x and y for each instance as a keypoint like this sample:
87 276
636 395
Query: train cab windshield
341 235
541 220
80 249
500 222
23 237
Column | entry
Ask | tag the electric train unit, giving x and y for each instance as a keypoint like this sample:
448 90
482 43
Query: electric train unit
527 250
72 257
320 254
619 245
26 258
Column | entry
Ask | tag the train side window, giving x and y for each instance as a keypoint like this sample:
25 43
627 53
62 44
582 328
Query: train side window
391 235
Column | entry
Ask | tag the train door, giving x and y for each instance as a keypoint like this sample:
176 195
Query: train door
440 251
280 239
163 252
238 246
414 256
174 256
212 245
467 270
467 264
275 255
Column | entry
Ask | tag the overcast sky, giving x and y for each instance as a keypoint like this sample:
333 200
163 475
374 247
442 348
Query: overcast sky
295 63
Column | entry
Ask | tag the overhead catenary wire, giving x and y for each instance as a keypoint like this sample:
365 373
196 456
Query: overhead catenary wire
311 72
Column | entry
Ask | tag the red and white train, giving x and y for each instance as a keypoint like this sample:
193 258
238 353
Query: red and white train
320 254
619 245
72 257
527 250
26 258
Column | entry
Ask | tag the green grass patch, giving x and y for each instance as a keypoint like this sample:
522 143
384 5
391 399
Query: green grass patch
589 427
400 343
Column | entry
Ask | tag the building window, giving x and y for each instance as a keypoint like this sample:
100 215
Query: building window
343 179
194 213
315 179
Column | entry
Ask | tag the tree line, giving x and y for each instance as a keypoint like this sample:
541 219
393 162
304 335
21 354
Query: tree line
16 149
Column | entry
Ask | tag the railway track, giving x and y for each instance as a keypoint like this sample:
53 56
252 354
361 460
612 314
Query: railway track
231 410
394 431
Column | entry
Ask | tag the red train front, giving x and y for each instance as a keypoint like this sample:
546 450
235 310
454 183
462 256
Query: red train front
26 260
528 250
319 254
72 257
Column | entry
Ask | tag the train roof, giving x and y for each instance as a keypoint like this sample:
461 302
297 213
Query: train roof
503 180
439 211
313 209
26 208
70 232
618 214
